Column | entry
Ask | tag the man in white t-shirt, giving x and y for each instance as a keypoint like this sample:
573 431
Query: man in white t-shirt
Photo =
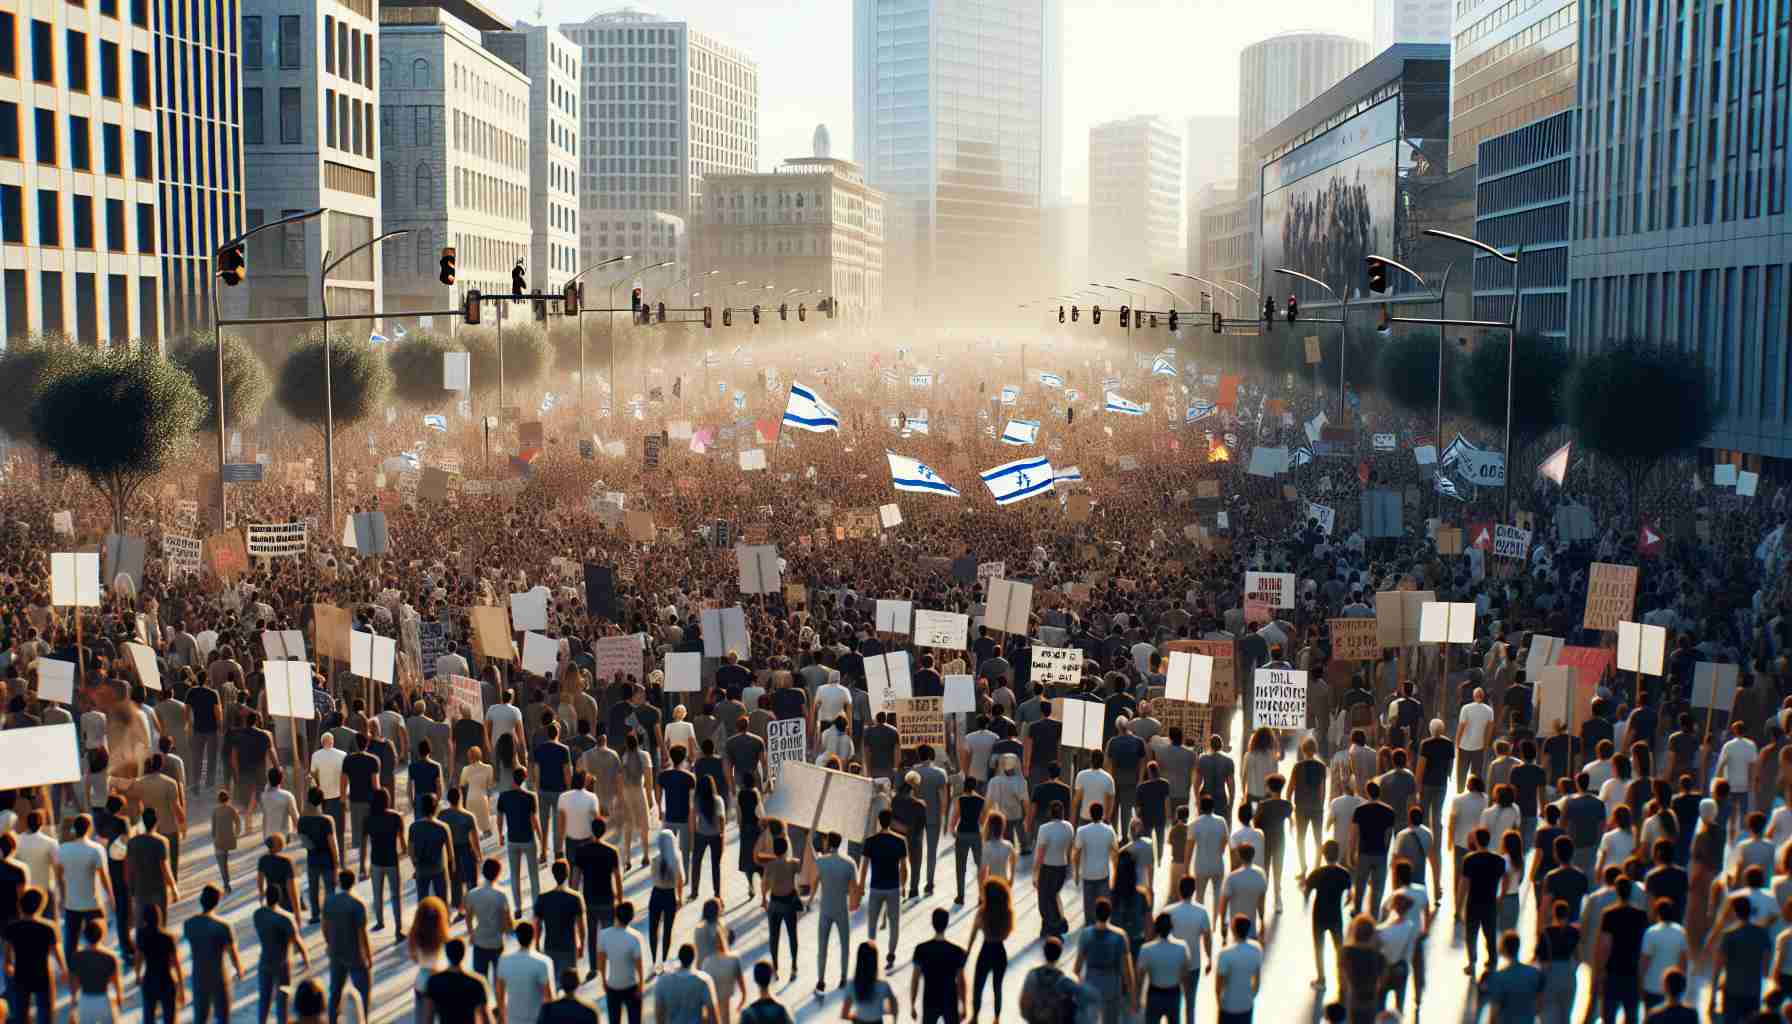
622 958
1093 786
525 979
832 701
1474 728
1465 816
1207 836
1190 923
81 870
1092 856
1051 853
505 717
1664 947
1736 764
1244 889
578 810
326 772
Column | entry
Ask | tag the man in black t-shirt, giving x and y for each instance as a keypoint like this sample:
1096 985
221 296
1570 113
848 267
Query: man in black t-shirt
886 863
429 842
600 876
744 756
1530 781
322 852
520 830
203 702
676 784
463 846
386 843
362 771
249 759
456 996
1040 748
32 944
1370 828
561 915
1620 953
1326 886
1667 880
937 985
553 774
1436 755
1478 891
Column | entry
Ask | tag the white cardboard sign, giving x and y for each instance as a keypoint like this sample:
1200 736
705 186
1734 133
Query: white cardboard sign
1084 722
1190 677
144 661
1275 589
41 755
1714 685
890 515
887 678
961 694
759 571
941 629
289 689
684 672
55 680
1641 648
894 616
1057 665
75 579
1279 699
1443 622
724 630
541 654
1009 606
529 610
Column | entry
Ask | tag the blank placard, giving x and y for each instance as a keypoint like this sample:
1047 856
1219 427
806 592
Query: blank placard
1641 647
75 579
144 661
40 755
385 658
961 694
360 653
55 680
887 678
1442 622
289 689
1190 677
1714 685
894 616
684 672
529 610
1083 720
541 654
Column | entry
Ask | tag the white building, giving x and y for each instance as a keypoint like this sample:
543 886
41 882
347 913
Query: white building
100 241
1411 21
1278 76
456 155
1210 158
663 105
551 62
310 141
1135 197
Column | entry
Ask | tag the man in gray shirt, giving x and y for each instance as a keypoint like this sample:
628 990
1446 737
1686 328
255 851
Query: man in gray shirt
834 876
933 792
1163 964
977 748
1176 762
685 994
345 938
489 920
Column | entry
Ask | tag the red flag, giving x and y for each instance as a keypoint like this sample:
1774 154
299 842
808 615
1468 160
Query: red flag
1648 539
1362 473
1228 395
1480 536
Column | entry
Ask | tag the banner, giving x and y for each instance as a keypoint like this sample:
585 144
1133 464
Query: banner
786 739
276 540
1279 699
181 553
1061 666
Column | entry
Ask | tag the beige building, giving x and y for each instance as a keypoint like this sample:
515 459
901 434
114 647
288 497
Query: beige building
812 224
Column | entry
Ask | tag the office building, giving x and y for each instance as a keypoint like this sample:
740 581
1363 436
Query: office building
1410 21
1282 74
1524 196
1228 253
1210 157
1681 234
957 118
1514 64
1135 197
663 105
551 62
310 142
1066 231
127 169
812 225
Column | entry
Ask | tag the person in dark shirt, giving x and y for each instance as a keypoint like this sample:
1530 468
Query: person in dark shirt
454 996
1620 953
967 823
885 860
521 833
570 1008
561 915
882 747
1153 800
1040 749
1667 880
1685 806
676 784
1436 755
1271 819
789 702
1674 1010
202 704
1528 780
1370 828
1744 960
322 855
1478 890
32 946
553 774
709 765
386 841
600 878
274 873
429 841
425 775
1125 756
463 835
1325 887
249 758
910 814
1566 882
939 973
361 771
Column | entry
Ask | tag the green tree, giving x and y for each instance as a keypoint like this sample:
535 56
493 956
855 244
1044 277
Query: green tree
120 419
1538 377
1406 371
25 369
246 383
526 357
416 364
359 382
1636 403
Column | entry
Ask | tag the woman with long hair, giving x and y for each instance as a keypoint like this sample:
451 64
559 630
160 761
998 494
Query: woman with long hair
1131 903
999 855
994 921
870 999
1618 843
1512 848
1658 823
504 762
1360 967
1259 764
424 942
746 812
779 897
635 771
662 906
158 969
477 780
709 816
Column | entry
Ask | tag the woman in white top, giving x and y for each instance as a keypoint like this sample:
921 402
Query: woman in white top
1502 815
1259 765
477 778
1618 843
1343 807
999 855
680 733
428 934
726 971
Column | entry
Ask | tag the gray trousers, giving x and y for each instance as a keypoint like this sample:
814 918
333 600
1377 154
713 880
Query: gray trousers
382 876
825 924
547 811
203 769
518 851
1370 874
1093 889
877 901
682 829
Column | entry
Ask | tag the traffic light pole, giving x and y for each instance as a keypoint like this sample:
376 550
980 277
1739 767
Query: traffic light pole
323 304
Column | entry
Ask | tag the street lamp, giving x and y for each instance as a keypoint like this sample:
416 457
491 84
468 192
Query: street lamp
1215 288
1511 332
1343 320
599 265
1159 287
1442 291
323 305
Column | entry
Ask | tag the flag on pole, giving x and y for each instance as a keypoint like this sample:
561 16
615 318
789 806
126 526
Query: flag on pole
1162 366
1018 480
436 423
1020 432
806 411
1050 380
1446 485
1120 405
1556 466
398 331
1067 475
375 338
908 474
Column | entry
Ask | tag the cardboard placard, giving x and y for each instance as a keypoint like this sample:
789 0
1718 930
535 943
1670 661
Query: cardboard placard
330 628
961 694
1611 595
760 571
56 680
894 616
541 654
786 739
1445 622
822 800
42 755
725 630
1275 589
949 630
1010 606
1355 639
1190 677
289 689
1714 685
640 526
466 697
491 634
1449 540
1542 653
888 678
1077 508
226 555
1397 615
529 609
920 721
1060 666
1553 699
1279 699
624 655
1641 648
890 515
1590 665
1225 667
75 579
684 672
1084 722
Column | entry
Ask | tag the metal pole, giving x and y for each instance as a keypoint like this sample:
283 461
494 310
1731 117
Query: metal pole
1437 439
323 304
1511 358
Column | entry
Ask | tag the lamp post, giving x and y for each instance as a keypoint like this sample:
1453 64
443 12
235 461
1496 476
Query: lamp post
599 265
323 305
1343 325
1219 289
610 332
1514 261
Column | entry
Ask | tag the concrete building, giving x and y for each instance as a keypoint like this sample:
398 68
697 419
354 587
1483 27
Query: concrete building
813 224
957 118
1513 65
1228 238
1067 243
456 157
1282 74
1523 196
310 141
1410 21
647 236
551 62
99 240
1681 234
1135 197
663 105
1210 157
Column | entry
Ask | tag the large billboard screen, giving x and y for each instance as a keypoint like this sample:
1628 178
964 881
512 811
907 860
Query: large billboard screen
1330 203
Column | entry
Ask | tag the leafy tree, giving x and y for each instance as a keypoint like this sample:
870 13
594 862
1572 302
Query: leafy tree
120 419
1543 367
1406 371
416 364
563 338
359 382
1637 403
526 357
25 369
246 384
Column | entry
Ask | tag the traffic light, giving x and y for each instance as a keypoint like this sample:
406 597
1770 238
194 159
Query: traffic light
231 264
1125 316
1172 321
1074 312
1269 309
1293 309
783 310
1378 276
662 312
708 317
569 300
635 299
1060 314
470 313
802 312
727 317
519 283
755 314
1095 315
447 274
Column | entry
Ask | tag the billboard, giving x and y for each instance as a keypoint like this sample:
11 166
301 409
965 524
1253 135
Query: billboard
1330 202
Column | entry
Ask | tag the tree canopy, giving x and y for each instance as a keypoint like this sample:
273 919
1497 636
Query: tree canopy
1542 369
1406 371
359 382
246 383
416 364
1639 402
25 369
526 357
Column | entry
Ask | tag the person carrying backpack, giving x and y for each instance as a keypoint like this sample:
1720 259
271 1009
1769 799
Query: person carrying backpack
1050 996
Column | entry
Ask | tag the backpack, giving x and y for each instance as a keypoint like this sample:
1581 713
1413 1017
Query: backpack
1058 1000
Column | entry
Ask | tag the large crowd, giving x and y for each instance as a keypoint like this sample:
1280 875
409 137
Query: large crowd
1639 845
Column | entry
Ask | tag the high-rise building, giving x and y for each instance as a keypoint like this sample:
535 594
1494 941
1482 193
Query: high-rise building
1282 74
551 62
1228 238
1210 157
1681 233
310 102
957 118
454 118
1512 65
663 105
1523 197
1410 21
129 168
1135 197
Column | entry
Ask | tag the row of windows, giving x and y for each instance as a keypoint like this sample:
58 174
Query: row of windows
78 77
49 222
488 194
79 139
1545 314
1539 268
490 142
1546 223
348 124
292 127
1544 140
1539 184
52 302
351 54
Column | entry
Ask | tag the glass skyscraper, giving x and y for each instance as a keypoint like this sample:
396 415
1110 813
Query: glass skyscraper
957 113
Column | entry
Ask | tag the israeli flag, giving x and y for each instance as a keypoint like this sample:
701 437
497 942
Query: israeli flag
1124 407
1162 366
436 423
806 411
1200 410
1050 380
1019 480
1067 475
1019 432
908 474
398 331
411 460
375 338
1010 395
1109 383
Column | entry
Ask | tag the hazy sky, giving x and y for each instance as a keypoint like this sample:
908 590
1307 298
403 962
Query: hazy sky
1121 57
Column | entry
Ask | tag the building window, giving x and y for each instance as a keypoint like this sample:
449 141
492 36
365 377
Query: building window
9 46
112 149
83 222
46 136
118 309
109 70
329 49
420 73
290 130
115 239
146 228
289 41
420 123
49 217
12 215
252 116
140 78
9 130
43 53
330 117
77 61
87 309
144 161
149 320
425 186
251 43
355 123
52 302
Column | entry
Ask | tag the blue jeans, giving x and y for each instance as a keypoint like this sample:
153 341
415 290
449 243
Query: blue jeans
271 979
383 875
21 1002
213 1003
342 973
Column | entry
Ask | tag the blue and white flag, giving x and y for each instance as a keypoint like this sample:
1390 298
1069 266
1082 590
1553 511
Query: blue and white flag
436 423
1067 475
920 380
1050 380
722 385
1072 394
917 422
1298 456
740 400
1109 383
1020 432
1019 480
1200 410
1163 366
806 411
398 331
1010 395
547 401
1446 485
1125 408
375 338
411 460
908 474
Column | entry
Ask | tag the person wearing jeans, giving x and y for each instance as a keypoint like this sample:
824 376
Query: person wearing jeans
1092 855
30 982
520 830
624 966
386 844
345 939
834 879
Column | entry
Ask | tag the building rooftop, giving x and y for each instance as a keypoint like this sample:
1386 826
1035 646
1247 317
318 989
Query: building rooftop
1383 68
